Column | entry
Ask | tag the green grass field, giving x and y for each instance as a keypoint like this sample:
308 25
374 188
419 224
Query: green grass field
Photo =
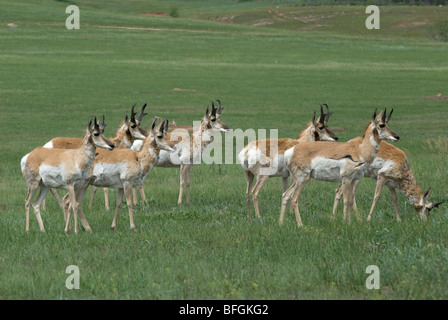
270 64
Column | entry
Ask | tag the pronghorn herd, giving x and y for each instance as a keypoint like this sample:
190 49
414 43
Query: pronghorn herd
124 161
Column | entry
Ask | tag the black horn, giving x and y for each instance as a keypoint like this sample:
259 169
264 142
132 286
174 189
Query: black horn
142 113
390 115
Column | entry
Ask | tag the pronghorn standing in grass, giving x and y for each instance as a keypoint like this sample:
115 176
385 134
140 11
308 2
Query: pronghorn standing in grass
137 145
68 169
124 168
128 132
257 156
335 162
189 148
391 168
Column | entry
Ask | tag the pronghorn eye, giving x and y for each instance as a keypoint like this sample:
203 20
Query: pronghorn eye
159 137
213 120
133 126
321 128
382 125
96 134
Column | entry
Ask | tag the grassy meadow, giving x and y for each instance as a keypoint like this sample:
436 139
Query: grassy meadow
271 65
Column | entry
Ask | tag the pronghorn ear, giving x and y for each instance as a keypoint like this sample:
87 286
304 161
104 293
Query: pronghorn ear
166 126
89 126
153 124
374 115
427 194
314 118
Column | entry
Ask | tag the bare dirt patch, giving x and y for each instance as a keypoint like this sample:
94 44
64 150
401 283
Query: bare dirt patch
154 13
438 96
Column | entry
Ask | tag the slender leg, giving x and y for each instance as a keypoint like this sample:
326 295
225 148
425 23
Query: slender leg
184 168
295 200
80 198
249 180
355 185
37 203
120 193
347 187
287 195
261 180
32 188
92 196
187 178
134 195
67 207
395 202
284 188
128 192
381 180
106 198
337 198
142 193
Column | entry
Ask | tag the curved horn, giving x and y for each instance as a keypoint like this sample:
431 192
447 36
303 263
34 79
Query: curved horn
219 107
383 118
322 115
213 109
133 113
142 113
102 123
437 204
390 114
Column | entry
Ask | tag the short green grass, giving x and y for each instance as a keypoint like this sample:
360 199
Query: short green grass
53 79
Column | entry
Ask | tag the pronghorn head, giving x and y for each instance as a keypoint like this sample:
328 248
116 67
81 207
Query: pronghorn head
159 135
97 134
320 126
213 119
424 207
380 122
133 123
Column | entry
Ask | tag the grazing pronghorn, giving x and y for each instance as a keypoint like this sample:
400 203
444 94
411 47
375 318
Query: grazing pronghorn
335 162
189 148
62 169
124 168
257 156
391 168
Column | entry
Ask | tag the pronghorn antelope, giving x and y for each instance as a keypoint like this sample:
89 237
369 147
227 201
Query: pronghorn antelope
137 145
391 168
189 148
257 156
128 133
62 169
124 168
335 162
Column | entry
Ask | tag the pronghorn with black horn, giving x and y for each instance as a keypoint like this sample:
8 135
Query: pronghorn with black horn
62 169
128 131
189 148
257 156
334 162
124 168
133 133
391 168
